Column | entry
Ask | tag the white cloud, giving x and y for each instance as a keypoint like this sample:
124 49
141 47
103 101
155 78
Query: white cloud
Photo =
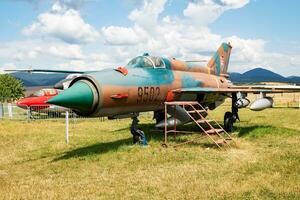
235 3
247 50
189 37
38 54
120 35
84 65
7 66
167 36
207 11
250 53
64 23
147 16
65 51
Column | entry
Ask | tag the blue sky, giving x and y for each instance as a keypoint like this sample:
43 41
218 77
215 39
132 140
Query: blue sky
94 34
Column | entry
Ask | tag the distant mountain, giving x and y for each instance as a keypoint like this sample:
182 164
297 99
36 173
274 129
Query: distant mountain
38 79
261 75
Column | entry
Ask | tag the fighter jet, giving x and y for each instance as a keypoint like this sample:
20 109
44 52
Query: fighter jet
146 82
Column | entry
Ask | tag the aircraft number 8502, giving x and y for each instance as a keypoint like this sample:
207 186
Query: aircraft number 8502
148 94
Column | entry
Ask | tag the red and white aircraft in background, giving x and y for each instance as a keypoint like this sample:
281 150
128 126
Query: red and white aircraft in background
39 98
37 102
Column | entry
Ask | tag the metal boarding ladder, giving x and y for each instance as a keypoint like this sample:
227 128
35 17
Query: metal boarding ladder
199 115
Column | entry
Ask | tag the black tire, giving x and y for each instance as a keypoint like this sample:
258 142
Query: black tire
228 122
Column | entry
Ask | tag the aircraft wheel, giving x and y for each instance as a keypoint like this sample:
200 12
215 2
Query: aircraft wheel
228 122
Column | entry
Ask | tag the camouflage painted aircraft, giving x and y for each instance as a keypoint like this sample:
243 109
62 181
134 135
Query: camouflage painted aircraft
146 82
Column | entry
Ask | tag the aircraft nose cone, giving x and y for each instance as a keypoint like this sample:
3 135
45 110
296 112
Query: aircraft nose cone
80 97
22 103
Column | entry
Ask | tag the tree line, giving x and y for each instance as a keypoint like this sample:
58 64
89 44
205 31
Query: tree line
11 89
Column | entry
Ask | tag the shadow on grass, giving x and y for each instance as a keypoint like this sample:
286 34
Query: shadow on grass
194 134
121 129
256 131
105 147
281 107
158 134
97 148
244 131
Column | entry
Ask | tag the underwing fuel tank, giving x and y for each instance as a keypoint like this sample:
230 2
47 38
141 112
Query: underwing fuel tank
262 103
170 123
181 117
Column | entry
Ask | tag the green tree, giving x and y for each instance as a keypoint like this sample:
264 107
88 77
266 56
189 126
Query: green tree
10 88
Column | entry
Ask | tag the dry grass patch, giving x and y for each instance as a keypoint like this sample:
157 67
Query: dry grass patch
101 163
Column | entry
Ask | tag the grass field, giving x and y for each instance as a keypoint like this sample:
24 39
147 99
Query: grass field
100 162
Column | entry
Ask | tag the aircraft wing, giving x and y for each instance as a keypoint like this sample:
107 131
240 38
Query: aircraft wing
246 89
48 71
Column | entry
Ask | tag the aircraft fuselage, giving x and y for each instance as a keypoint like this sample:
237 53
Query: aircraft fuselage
140 89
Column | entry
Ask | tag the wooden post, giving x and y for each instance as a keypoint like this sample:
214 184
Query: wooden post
28 113
67 127
10 110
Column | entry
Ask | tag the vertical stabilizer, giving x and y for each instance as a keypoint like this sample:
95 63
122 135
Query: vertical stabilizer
218 64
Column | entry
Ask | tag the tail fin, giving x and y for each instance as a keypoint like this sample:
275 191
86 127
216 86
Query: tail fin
218 64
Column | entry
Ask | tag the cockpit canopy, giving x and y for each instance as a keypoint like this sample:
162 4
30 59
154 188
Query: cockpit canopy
146 62
45 92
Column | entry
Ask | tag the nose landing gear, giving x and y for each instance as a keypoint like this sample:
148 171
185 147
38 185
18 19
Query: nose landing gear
137 134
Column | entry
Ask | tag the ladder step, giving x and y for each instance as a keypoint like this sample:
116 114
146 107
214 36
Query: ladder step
195 111
204 120
212 131
220 141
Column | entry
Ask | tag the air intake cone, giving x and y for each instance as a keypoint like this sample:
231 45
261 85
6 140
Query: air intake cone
80 97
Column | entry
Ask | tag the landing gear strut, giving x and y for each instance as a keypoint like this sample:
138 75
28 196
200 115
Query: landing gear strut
231 117
137 134
159 115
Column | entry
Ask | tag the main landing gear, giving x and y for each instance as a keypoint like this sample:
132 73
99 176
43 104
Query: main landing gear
159 115
231 117
137 134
